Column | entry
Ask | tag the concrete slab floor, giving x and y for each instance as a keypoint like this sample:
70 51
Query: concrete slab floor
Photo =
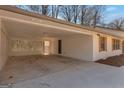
23 68
62 72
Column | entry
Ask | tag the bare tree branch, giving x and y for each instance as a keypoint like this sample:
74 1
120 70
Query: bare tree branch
75 13
83 12
67 12
117 24
97 12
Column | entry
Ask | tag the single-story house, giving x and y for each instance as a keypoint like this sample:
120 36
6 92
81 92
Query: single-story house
27 33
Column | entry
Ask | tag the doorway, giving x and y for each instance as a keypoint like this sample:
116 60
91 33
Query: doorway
46 47
59 46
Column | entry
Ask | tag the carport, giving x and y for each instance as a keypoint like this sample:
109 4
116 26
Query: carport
36 37
29 39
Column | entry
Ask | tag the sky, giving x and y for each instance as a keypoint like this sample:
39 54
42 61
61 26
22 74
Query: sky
113 12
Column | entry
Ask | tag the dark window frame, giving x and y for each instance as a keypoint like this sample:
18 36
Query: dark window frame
102 43
116 44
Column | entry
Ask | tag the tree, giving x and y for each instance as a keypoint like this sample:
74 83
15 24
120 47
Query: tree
85 15
41 9
45 9
117 24
75 13
55 9
97 12
67 12
35 8
83 12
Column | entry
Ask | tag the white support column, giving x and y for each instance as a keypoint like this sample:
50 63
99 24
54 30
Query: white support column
3 45
0 44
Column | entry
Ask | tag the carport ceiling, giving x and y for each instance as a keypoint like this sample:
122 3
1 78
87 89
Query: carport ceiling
26 30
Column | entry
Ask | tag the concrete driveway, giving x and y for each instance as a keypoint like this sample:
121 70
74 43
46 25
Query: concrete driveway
65 72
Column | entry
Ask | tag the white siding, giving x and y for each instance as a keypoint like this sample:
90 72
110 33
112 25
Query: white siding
37 48
104 54
80 47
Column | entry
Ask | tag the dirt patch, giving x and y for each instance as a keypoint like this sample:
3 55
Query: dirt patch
117 61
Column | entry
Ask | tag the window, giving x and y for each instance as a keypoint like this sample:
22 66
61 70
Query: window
102 43
115 44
